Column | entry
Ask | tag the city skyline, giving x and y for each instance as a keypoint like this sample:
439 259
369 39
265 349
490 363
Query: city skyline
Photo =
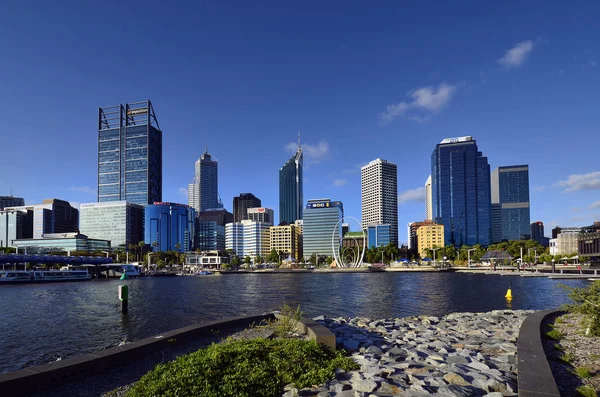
513 91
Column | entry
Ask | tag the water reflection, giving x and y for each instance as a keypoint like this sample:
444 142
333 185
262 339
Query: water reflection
59 320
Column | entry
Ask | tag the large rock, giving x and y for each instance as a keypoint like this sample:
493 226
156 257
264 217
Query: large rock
456 379
374 350
364 385
457 359
458 391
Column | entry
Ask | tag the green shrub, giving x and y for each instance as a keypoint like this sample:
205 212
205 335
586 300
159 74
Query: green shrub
566 358
583 372
586 391
555 334
259 367
587 302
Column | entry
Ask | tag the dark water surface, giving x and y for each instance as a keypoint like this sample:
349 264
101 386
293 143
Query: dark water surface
42 322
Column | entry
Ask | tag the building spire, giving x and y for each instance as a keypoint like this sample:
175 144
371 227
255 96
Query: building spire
206 149
298 140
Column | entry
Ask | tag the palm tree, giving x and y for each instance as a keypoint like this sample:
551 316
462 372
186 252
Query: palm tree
178 246
141 244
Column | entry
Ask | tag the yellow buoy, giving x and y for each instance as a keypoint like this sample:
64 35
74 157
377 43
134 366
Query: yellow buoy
508 293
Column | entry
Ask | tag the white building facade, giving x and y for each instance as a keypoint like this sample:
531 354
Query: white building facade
248 238
379 196
120 222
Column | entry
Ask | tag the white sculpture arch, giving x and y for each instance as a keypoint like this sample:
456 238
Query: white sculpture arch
356 255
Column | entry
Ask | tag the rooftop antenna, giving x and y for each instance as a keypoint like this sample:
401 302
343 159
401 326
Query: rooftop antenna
298 141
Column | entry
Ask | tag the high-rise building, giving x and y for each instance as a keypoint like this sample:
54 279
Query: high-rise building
261 214
322 221
15 224
428 203
129 154
210 229
52 216
378 235
119 222
203 192
510 189
285 240
496 222
379 196
537 233
11 201
290 188
241 204
248 238
429 236
461 197
169 227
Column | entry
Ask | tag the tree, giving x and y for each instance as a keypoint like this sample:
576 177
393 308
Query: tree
273 256
235 261
259 259
141 244
329 260
247 260
178 246
450 252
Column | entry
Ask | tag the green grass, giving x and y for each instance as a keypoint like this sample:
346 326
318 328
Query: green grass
555 334
566 358
557 346
258 367
586 391
583 372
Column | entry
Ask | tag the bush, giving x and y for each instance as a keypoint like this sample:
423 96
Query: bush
586 391
587 302
583 372
555 334
259 367
286 325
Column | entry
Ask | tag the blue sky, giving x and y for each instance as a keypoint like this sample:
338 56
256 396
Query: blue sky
387 80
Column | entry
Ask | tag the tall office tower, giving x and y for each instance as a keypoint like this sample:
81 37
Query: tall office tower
203 192
428 203
261 214
11 201
169 227
210 229
129 154
248 238
537 233
241 204
290 188
120 222
510 190
496 223
379 196
52 216
319 225
15 224
461 198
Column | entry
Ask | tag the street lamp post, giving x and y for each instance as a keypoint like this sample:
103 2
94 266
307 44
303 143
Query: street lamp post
149 254
553 268
434 257
469 256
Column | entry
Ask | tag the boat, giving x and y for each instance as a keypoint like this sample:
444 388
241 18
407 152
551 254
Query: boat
42 276
204 273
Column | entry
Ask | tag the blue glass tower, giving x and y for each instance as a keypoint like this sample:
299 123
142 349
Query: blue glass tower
510 192
203 192
461 194
169 227
290 189
129 154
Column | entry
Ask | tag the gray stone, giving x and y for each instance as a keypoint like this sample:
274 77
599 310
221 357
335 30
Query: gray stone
340 387
364 385
290 392
350 344
458 391
494 394
479 366
308 391
319 318
374 350
456 379
457 359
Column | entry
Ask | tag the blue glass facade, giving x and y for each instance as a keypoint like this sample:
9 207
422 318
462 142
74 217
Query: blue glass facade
320 220
167 224
461 195
510 189
290 189
129 154
210 236
379 235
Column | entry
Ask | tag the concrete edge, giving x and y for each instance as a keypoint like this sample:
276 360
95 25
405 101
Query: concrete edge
534 374
43 377
315 331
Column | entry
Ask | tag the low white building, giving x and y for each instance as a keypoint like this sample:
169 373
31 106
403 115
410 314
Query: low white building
247 238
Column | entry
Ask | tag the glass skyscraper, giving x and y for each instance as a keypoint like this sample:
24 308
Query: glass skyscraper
169 227
120 222
241 205
210 229
203 192
319 226
510 191
461 197
129 154
378 235
290 189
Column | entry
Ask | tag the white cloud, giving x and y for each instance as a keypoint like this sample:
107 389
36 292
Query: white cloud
589 181
313 154
339 182
595 204
82 189
539 188
517 55
425 99
182 191
417 194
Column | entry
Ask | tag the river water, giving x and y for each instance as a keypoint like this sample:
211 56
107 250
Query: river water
42 322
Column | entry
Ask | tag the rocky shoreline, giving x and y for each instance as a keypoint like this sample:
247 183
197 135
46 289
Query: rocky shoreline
461 354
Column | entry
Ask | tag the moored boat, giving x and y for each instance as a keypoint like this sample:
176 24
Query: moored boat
42 276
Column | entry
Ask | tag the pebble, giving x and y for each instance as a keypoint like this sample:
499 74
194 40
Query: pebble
461 354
